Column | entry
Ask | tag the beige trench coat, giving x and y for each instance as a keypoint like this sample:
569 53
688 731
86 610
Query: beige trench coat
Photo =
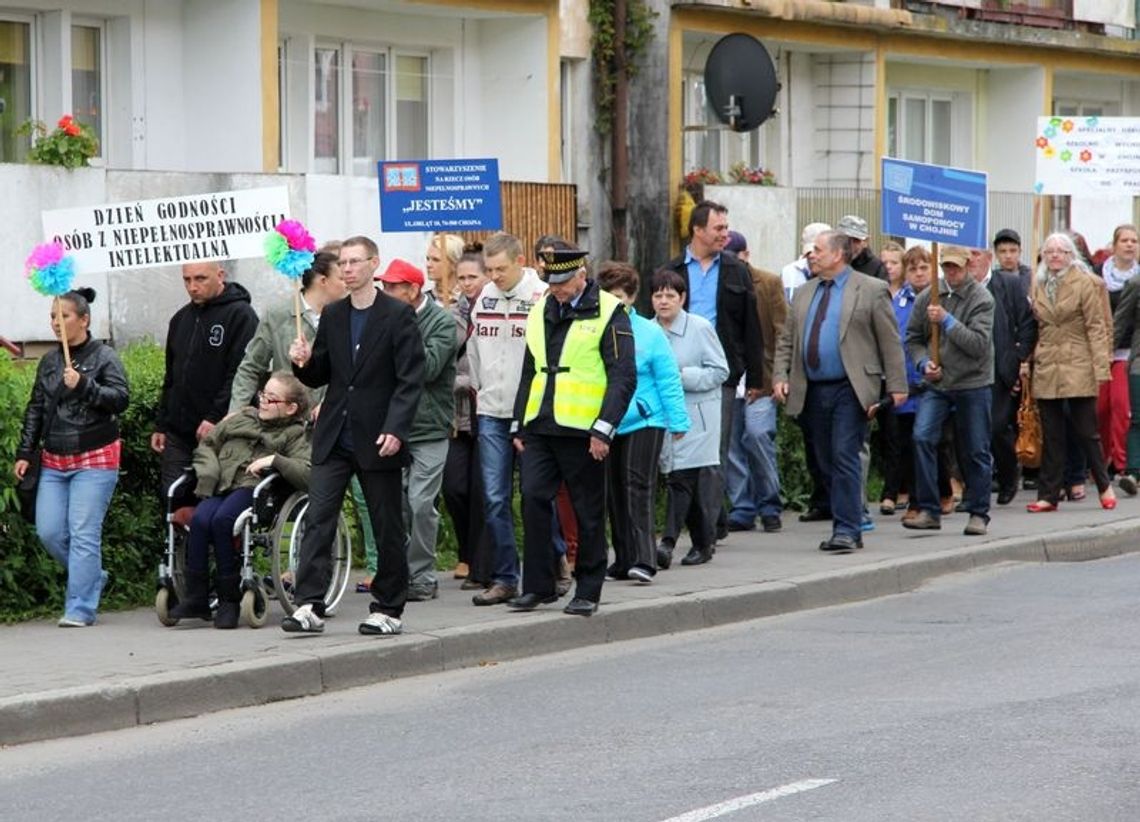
1074 338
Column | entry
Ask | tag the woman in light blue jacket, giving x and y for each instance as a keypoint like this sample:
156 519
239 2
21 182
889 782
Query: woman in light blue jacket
658 405
695 487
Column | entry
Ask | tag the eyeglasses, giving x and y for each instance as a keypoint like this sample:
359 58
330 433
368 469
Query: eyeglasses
269 399
355 261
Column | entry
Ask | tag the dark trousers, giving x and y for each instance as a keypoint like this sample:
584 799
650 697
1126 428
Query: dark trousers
384 493
213 524
727 414
820 498
174 459
632 481
896 454
547 462
695 496
1003 442
839 426
463 496
1132 464
1082 415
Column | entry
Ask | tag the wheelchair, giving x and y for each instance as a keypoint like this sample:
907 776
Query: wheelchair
268 534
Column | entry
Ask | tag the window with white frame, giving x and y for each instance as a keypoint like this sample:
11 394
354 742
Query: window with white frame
930 127
87 77
708 142
375 108
16 65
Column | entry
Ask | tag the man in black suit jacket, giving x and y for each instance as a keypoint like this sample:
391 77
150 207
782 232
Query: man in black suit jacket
1014 337
370 354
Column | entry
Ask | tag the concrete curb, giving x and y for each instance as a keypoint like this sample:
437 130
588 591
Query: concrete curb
313 668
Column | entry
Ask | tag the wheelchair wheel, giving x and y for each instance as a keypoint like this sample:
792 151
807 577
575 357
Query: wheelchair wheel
164 600
254 607
286 548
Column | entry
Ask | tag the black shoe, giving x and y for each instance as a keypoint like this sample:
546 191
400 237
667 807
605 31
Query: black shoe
741 526
696 557
227 615
580 607
815 515
192 609
664 555
528 602
771 523
1006 495
961 507
616 572
841 544
1029 484
721 532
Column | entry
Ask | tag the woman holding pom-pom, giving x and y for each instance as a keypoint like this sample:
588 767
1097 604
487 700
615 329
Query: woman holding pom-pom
73 415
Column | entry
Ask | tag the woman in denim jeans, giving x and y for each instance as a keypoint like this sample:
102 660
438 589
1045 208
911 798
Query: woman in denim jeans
73 413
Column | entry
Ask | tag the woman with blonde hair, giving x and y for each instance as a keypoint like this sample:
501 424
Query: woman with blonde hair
1070 363
443 255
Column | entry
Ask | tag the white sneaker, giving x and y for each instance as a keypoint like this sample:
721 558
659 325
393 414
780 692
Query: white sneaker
303 621
379 624
68 622
640 575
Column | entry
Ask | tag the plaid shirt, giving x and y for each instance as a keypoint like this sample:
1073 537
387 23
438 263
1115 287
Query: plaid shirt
105 458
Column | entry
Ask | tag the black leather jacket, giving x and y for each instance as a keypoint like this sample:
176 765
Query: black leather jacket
86 417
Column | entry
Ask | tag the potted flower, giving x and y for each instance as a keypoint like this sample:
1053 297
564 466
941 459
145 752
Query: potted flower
70 144
745 175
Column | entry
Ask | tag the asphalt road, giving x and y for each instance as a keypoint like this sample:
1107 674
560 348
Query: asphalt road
1010 694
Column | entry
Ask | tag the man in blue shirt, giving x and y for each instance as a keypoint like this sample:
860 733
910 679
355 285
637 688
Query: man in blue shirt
838 346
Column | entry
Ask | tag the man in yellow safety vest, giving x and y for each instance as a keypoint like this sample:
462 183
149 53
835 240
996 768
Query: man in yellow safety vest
578 377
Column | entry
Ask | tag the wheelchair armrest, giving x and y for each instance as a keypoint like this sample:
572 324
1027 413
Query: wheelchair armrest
265 483
188 477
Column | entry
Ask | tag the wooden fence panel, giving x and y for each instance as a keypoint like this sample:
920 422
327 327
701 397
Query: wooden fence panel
531 210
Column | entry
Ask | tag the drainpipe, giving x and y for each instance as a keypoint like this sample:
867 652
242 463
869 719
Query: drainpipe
619 134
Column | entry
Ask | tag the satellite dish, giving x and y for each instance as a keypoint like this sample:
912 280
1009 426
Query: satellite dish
740 81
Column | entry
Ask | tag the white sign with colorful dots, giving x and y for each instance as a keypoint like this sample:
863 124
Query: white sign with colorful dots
1088 155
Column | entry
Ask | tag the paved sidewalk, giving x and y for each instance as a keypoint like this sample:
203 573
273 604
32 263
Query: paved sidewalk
129 670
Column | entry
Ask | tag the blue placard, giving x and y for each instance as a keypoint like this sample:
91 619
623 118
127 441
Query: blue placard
440 195
934 203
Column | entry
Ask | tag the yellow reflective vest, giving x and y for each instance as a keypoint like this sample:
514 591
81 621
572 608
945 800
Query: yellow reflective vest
580 375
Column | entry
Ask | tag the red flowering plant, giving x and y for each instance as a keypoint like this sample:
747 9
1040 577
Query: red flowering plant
743 174
70 144
702 176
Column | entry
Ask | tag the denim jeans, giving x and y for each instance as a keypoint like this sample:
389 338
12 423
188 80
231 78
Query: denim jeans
971 409
839 426
70 507
497 457
752 474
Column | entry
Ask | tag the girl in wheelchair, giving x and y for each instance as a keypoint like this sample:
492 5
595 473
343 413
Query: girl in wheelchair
228 463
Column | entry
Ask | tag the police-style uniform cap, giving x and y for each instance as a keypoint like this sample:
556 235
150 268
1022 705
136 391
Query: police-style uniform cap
561 264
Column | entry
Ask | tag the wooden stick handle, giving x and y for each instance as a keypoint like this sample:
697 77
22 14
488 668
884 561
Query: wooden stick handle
297 307
62 332
935 328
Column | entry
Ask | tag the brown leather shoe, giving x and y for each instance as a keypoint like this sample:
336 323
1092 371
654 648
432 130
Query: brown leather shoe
923 521
462 570
497 594
948 505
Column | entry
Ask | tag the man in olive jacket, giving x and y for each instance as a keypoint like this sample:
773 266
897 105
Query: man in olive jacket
369 353
427 444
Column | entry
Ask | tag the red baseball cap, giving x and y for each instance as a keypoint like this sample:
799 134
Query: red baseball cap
401 271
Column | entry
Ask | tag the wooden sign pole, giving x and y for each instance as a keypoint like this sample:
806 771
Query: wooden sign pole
935 328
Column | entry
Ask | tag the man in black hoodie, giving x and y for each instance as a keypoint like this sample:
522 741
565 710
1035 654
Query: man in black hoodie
205 342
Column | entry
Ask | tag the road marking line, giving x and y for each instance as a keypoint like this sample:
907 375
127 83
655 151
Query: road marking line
742 802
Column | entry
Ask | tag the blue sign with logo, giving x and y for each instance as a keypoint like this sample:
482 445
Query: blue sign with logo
440 195
934 203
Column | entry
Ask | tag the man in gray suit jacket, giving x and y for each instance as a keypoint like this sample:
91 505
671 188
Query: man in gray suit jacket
839 346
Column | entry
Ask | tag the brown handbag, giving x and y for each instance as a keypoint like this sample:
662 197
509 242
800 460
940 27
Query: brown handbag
1029 434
